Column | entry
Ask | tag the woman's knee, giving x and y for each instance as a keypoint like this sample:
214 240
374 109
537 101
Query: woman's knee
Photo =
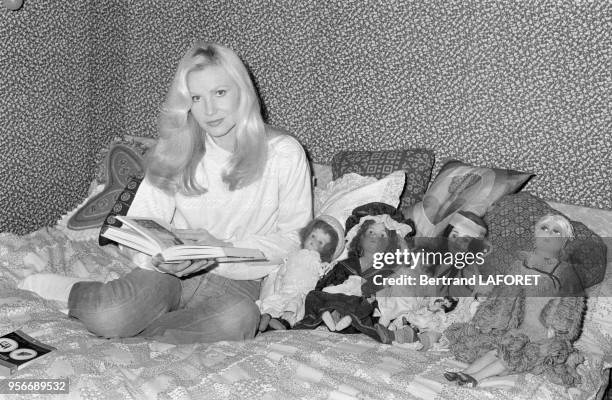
125 306
241 320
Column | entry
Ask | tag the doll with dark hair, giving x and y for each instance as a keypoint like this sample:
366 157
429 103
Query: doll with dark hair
465 234
343 299
526 328
322 241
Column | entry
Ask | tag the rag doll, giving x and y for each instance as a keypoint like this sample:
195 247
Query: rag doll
526 328
425 324
322 240
343 299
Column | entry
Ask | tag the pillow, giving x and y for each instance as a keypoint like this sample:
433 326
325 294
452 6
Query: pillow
461 186
321 174
511 221
120 207
80 234
340 197
140 145
121 162
417 163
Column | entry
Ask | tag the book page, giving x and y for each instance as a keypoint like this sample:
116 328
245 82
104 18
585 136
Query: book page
154 230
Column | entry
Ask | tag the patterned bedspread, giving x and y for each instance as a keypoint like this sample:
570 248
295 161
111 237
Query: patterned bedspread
278 365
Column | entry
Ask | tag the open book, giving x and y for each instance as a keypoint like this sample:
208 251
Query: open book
152 237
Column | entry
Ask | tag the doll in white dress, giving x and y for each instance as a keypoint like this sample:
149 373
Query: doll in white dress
322 241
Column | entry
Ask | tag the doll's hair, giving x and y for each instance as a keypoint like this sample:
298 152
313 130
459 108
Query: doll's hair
453 304
328 250
355 249
564 224
172 163
472 217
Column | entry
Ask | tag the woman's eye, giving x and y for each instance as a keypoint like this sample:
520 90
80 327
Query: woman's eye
221 92
556 232
196 99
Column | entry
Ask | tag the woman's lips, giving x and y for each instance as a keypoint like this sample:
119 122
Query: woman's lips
215 122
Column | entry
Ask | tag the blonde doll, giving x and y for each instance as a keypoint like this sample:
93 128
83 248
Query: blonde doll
530 328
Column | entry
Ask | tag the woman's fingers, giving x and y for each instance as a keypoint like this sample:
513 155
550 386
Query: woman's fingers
196 266
173 268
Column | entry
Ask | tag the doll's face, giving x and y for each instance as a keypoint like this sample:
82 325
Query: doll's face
549 238
316 240
375 238
440 305
459 239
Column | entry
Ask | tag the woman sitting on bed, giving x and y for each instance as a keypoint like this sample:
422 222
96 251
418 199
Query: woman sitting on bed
221 177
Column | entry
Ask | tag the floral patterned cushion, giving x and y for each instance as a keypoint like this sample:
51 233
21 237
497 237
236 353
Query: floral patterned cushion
511 222
461 186
417 163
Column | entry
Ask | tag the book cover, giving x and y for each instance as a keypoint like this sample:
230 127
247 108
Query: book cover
17 349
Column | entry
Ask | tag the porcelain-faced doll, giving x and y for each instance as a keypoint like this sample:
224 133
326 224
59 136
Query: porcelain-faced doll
465 234
322 241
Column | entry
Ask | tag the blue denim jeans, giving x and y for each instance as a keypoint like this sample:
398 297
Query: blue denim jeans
205 308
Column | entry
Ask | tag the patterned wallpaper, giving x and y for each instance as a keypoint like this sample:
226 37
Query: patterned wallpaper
515 84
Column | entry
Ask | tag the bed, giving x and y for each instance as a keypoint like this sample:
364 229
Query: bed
277 365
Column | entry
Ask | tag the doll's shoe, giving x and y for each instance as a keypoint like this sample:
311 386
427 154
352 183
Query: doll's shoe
278 325
344 323
385 335
425 341
451 376
466 380
329 321
264 320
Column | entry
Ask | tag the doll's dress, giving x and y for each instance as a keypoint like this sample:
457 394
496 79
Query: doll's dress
296 277
514 321
358 307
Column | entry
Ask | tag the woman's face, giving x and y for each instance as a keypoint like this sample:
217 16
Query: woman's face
375 238
215 100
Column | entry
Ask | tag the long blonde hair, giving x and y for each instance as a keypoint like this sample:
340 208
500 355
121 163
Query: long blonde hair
172 164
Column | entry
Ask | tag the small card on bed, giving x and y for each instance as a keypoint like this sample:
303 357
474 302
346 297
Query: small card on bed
152 237
17 350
